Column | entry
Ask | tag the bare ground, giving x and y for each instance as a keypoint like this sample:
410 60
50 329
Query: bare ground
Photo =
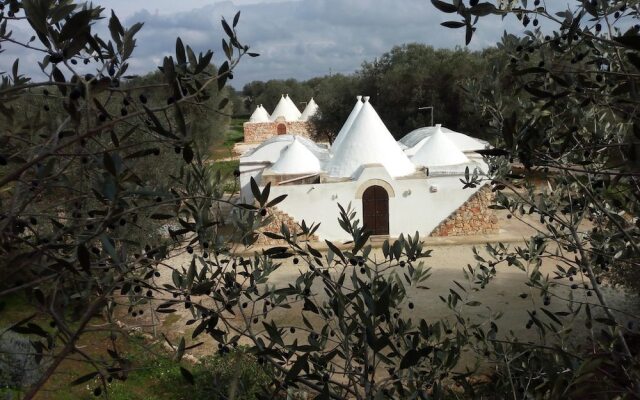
449 257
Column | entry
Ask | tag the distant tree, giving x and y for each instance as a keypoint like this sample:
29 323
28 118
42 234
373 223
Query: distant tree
268 93
238 103
414 75
336 96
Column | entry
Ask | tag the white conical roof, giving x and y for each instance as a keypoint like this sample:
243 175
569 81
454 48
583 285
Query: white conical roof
292 106
309 111
265 110
347 125
259 115
439 150
416 138
285 109
368 142
296 159
271 149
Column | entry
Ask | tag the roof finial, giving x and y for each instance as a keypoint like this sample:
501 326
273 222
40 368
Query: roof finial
359 97
366 99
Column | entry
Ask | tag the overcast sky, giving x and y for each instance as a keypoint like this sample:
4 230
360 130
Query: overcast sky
295 38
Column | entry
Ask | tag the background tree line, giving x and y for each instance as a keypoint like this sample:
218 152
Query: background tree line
399 82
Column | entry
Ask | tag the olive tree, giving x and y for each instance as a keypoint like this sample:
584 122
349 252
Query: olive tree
565 107
85 222
350 332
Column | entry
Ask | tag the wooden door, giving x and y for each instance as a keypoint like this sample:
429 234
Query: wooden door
282 129
375 210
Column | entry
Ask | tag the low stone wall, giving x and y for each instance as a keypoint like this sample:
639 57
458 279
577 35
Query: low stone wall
279 218
474 217
256 132
298 179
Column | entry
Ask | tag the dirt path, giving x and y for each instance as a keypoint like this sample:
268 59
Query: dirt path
502 295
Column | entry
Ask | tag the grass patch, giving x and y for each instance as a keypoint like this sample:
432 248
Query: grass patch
234 134
235 375
153 374
227 168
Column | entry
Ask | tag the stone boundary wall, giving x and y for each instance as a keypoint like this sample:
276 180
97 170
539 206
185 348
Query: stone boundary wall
474 217
276 179
257 132
280 217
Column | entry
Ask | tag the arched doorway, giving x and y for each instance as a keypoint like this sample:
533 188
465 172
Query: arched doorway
375 210
281 129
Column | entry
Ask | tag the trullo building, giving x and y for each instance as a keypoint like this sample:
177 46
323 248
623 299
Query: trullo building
286 118
394 187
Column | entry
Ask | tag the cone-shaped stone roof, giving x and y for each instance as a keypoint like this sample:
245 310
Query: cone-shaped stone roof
292 106
368 141
259 115
438 151
296 159
309 111
347 125
286 109
418 136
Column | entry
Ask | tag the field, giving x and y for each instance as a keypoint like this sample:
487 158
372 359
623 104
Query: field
222 157
222 148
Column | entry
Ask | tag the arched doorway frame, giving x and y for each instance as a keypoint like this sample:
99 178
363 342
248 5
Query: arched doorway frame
375 196
375 182
281 129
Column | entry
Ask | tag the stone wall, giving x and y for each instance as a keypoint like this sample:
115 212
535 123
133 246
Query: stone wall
279 218
257 132
474 217
297 179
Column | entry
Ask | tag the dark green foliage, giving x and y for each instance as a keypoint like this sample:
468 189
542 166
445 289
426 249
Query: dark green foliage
565 108
93 197
86 182
359 342
413 76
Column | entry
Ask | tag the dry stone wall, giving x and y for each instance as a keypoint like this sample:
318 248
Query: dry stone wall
257 132
278 218
474 217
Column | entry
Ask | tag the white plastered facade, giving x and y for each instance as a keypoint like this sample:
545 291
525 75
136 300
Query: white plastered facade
419 199
413 206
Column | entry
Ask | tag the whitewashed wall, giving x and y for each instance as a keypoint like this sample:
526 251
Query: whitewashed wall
248 171
252 166
413 208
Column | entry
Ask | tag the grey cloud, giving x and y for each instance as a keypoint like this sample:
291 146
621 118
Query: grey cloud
300 39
